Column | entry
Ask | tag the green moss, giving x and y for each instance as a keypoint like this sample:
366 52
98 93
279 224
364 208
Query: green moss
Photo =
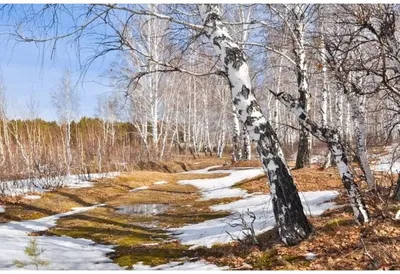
332 224
149 255
267 260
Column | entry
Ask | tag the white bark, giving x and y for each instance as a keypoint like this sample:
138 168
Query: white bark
357 107
332 138
246 145
66 101
292 224
236 151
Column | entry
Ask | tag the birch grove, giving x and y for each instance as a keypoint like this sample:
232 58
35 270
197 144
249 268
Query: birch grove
278 83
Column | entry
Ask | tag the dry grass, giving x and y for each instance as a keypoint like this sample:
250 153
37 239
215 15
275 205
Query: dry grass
306 179
339 244
337 241
129 232
105 190
107 226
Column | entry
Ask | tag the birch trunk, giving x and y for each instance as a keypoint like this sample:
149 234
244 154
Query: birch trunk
303 153
221 137
292 223
324 95
246 145
68 152
360 131
236 152
332 138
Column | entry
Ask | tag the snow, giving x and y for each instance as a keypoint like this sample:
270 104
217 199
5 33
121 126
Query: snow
2 209
215 231
21 187
161 183
32 197
61 252
310 256
139 188
385 162
198 265
317 159
397 215
220 187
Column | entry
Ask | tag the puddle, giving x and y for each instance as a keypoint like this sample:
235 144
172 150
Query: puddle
145 209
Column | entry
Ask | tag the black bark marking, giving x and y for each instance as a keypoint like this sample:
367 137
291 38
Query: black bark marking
292 223
253 107
245 92
263 128
235 56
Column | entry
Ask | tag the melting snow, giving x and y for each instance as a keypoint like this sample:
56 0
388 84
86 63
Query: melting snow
221 187
139 188
385 164
215 231
32 197
161 183
61 252
21 187
310 256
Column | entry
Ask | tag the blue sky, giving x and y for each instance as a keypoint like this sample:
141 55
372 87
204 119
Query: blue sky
25 72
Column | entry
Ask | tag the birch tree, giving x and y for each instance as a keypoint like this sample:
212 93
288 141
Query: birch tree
66 102
292 223
338 150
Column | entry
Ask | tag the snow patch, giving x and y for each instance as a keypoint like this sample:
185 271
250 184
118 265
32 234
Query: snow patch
310 256
2 209
397 217
221 187
161 183
392 153
139 188
62 253
215 231
21 187
32 197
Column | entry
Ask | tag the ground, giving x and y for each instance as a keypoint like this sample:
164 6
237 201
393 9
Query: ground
140 240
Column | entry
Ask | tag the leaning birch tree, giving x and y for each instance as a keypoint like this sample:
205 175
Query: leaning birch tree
292 223
333 138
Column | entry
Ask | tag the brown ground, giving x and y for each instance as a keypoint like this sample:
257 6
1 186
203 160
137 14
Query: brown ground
339 244
337 241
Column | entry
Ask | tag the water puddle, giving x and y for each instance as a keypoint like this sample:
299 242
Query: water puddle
144 209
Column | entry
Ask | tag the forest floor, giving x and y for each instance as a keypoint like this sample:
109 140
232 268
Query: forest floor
162 220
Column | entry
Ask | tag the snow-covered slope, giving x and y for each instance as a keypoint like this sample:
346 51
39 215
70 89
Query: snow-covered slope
63 253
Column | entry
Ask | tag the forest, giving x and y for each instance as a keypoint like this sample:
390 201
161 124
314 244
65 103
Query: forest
273 130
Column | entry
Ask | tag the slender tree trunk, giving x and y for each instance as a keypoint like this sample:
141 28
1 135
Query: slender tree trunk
303 153
332 138
236 152
221 137
357 107
68 147
246 145
324 95
292 223
397 188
